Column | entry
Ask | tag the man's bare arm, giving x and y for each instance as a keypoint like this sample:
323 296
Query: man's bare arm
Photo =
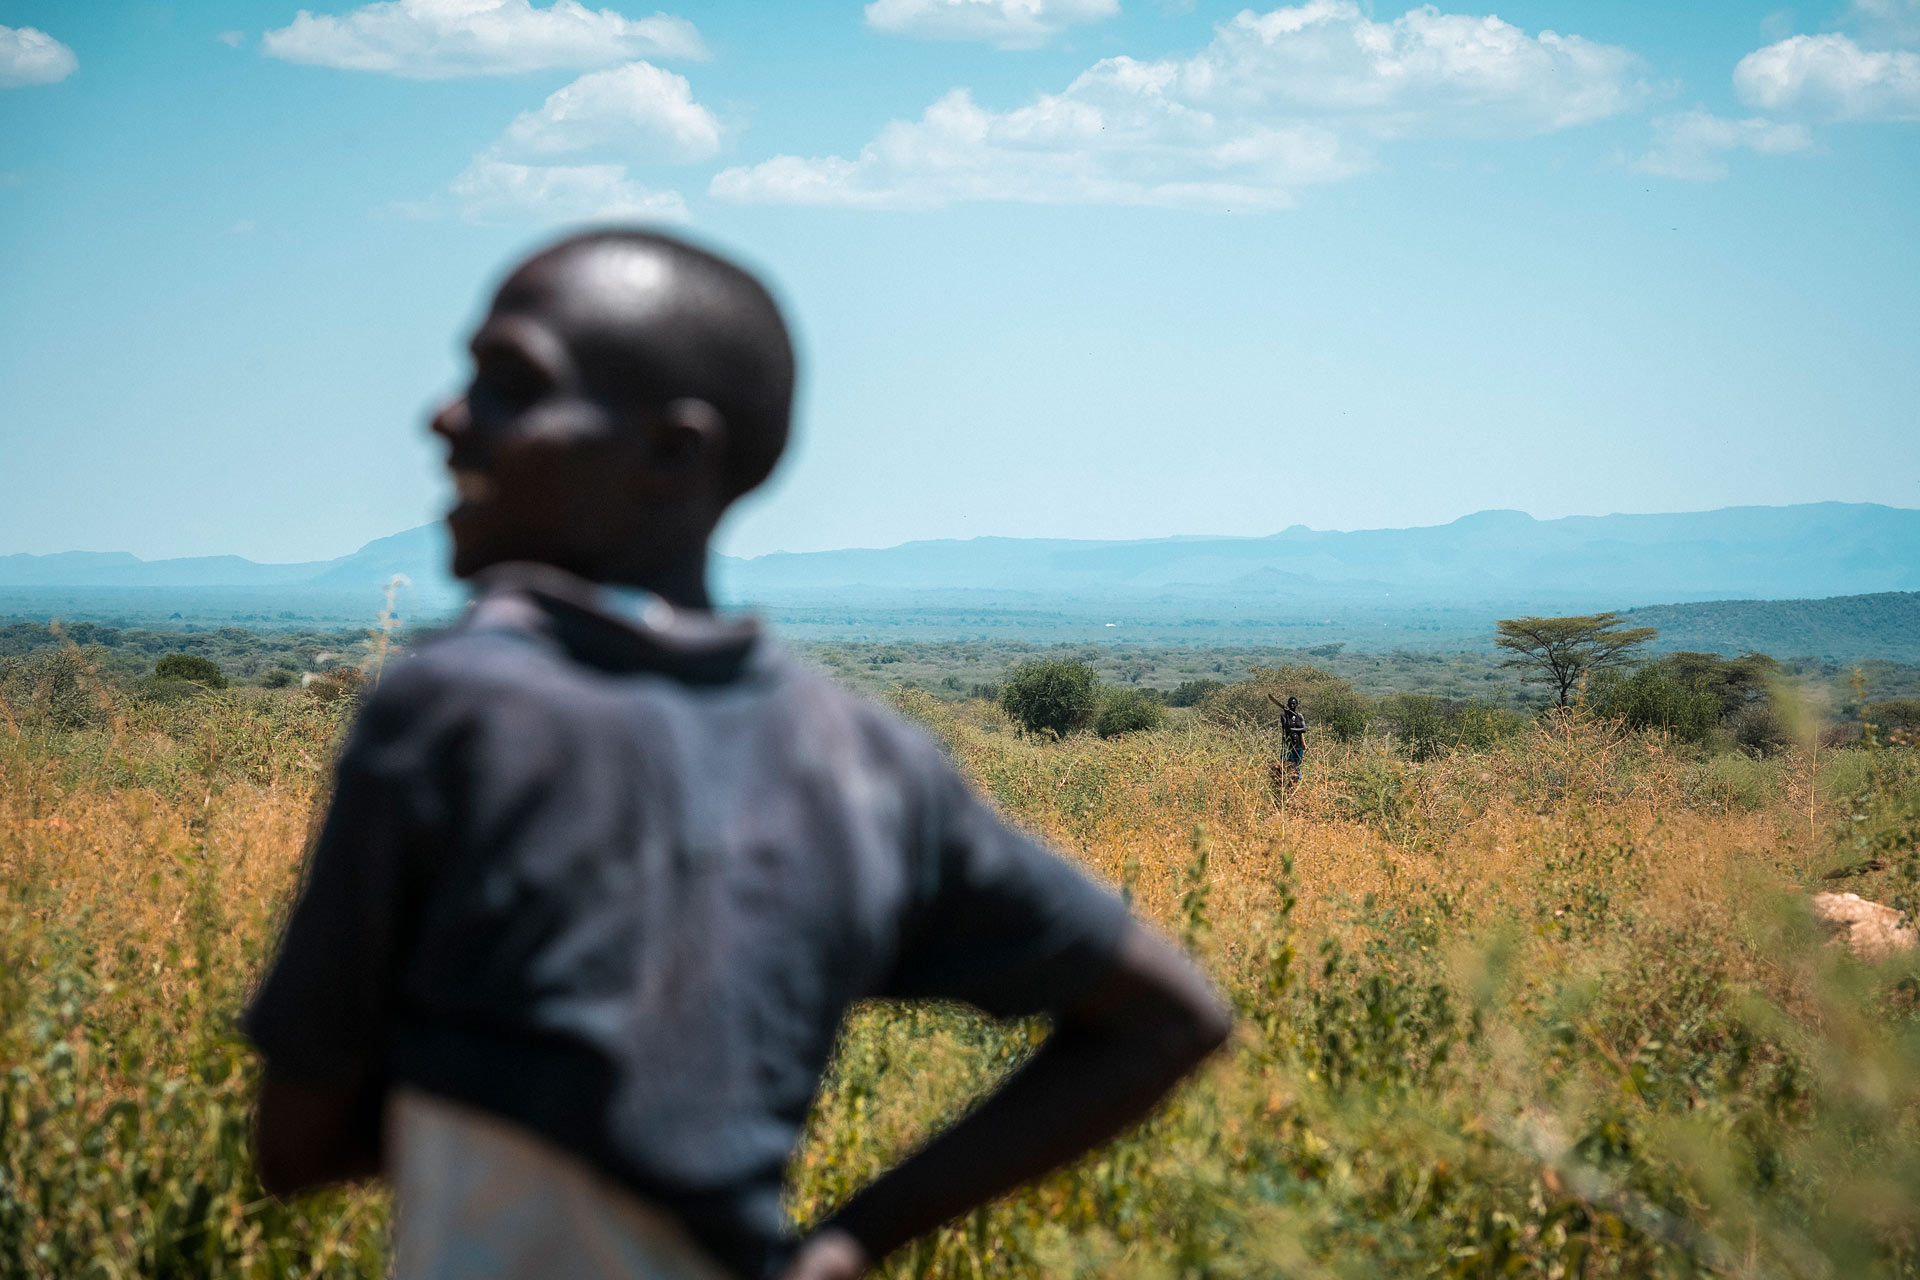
1110 1058
306 1138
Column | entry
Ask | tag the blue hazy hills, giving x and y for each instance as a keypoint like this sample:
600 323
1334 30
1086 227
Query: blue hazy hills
1492 557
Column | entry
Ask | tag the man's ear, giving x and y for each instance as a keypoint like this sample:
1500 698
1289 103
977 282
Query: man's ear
686 444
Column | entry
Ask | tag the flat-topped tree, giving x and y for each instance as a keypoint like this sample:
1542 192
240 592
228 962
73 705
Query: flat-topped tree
1562 650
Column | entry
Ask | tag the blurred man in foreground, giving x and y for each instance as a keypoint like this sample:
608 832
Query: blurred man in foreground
603 870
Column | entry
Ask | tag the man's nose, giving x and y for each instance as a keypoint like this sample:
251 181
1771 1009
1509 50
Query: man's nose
453 419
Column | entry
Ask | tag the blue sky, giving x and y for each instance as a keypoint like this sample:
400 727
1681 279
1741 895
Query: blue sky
1092 268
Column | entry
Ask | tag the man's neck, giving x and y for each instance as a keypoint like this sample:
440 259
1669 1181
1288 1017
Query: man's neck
681 582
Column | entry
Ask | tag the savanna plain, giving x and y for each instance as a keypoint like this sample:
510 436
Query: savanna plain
1521 990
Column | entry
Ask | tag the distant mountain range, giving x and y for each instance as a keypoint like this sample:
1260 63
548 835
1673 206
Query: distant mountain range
1492 557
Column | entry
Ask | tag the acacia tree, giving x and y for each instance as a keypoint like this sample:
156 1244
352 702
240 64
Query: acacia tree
1054 697
190 666
1561 650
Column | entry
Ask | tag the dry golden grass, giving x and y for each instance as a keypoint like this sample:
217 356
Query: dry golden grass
1548 1008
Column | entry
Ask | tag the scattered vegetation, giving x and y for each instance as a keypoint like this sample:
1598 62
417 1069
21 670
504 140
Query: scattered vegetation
1331 704
1519 993
191 667
1054 698
1129 711
1562 652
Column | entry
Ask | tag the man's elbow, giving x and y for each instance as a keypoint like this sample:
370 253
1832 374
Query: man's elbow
1194 1029
305 1139
277 1177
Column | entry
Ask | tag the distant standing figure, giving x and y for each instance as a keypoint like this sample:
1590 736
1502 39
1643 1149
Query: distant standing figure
1294 726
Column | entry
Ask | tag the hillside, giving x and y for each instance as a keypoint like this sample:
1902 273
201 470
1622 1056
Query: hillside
1812 550
1817 549
1843 628
1436 588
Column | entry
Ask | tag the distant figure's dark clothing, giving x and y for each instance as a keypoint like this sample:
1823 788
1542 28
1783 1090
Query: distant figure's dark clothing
1294 726
617 881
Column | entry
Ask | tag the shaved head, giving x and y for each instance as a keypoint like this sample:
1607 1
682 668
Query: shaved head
648 320
627 388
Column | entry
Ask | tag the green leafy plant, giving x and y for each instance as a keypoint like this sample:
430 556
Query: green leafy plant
190 666
1056 697
1128 711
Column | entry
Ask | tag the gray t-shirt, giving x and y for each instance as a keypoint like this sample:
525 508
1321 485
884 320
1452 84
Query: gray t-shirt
618 880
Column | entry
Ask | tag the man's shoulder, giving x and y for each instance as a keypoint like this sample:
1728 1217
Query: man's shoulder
456 663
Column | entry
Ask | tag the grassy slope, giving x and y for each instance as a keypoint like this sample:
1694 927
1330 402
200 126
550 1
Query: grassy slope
1549 1008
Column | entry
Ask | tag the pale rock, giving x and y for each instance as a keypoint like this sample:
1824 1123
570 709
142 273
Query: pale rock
1871 930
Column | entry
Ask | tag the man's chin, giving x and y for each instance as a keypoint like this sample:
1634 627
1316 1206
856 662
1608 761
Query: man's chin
473 549
470 557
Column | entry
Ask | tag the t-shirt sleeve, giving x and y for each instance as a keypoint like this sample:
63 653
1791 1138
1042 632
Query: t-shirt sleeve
1000 921
323 1015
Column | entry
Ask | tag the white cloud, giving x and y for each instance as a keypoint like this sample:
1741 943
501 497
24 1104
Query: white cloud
635 112
232 39
437 39
1694 144
1829 75
496 191
637 109
1057 151
31 56
1011 24
1892 21
1276 101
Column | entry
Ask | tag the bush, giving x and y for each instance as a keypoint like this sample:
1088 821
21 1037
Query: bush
1758 729
1128 711
1479 727
1653 697
1053 697
1733 682
1330 704
1895 716
168 691
54 687
190 666
1731 782
341 682
1188 693
279 677
1422 722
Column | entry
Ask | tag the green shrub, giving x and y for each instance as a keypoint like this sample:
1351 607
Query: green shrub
1479 727
1051 697
1330 704
1894 716
1188 693
279 677
1654 697
1128 711
1759 730
1733 783
168 691
1371 787
190 666
1422 722
56 688
341 682
1733 682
